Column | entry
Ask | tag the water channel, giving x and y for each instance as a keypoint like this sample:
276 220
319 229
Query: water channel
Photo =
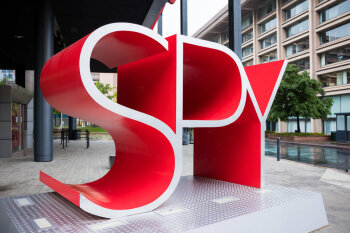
321 156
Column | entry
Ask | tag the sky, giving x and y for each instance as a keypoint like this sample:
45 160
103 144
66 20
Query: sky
199 12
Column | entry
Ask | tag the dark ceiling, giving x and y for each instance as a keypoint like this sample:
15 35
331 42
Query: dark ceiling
73 20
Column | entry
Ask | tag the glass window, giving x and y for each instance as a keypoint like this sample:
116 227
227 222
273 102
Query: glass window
335 78
303 64
329 126
247 20
225 36
334 11
248 63
271 56
247 51
348 123
268 25
217 39
7 76
335 33
340 122
297 47
267 8
95 76
296 9
297 28
335 55
268 41
247 36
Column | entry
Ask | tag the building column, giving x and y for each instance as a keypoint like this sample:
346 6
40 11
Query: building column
184 31
235 27
255 37
72 122
184 24
279 33
5 122
160 24
282 126
43 135
316 124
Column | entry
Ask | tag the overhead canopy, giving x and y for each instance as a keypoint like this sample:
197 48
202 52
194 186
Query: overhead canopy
73 20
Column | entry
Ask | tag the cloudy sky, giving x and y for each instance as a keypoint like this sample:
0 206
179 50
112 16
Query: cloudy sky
199 12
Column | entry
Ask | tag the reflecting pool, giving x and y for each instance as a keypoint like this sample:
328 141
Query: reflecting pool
322 156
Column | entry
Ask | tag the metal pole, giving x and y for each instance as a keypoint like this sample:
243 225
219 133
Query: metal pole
235 28
184 17
183 3
278 148
72 123
160 25
72 131
43 129
87 139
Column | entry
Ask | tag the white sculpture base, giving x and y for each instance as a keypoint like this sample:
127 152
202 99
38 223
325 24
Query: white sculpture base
197 205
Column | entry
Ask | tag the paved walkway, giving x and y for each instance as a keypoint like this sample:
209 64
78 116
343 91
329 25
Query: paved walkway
19 175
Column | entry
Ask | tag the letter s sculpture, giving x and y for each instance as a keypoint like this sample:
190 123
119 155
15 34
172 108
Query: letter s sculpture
164 85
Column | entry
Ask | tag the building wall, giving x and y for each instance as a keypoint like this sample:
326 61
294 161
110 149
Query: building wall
295 30
111 79
5 122
107 78
29 112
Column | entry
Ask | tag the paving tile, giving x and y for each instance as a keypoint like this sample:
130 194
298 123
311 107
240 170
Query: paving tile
19 175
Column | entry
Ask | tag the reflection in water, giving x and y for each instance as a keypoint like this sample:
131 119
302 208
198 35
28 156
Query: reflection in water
322 156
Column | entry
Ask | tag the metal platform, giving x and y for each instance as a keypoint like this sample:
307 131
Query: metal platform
197 205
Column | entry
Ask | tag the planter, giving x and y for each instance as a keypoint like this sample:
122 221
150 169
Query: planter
291 138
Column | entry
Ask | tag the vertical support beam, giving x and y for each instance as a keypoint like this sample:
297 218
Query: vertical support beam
42 110
280 32
184 29
316 124
255 36
153 13
72 123
160 24
235 27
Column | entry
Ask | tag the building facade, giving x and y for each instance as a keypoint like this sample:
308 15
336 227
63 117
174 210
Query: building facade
16 114
313 34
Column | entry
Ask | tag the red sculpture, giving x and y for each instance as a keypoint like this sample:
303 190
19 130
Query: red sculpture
163 86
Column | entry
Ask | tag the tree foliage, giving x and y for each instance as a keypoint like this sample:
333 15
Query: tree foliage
105 89
299 96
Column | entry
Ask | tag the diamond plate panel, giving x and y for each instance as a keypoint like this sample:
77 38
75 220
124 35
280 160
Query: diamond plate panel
191 206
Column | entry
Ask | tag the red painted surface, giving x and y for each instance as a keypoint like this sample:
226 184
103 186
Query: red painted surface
230 153
152 84
263 79
64 190
212 84
147 83
144 163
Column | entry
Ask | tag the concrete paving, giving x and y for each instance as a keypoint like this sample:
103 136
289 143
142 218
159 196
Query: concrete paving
19 175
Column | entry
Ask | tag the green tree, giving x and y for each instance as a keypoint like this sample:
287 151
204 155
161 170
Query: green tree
299 96
55 113
105 89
